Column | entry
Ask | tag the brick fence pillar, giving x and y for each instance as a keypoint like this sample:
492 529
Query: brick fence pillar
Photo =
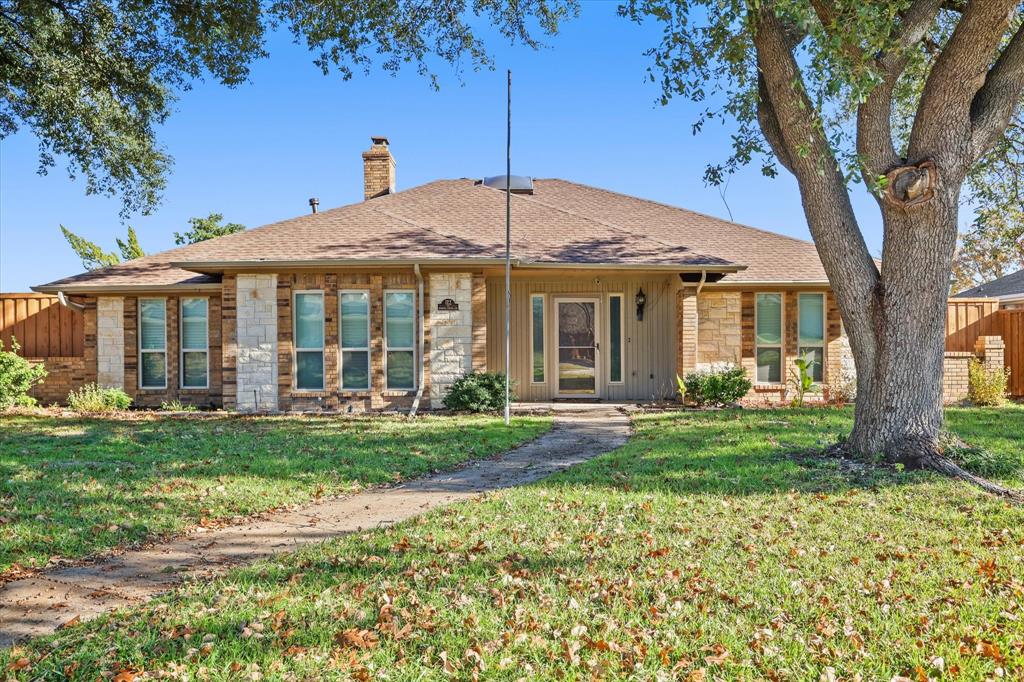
991 350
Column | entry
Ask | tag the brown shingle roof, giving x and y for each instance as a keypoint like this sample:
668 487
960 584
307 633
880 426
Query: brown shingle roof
561 223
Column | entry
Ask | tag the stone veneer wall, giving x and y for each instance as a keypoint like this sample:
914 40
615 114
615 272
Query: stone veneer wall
110 341
451 344
256 343
719 327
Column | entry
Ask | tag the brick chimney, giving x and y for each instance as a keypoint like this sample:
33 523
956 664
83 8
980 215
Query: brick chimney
378 169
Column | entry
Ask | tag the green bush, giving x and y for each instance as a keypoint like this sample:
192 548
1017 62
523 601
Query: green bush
93 398
986 386
17 377
720 384
478 392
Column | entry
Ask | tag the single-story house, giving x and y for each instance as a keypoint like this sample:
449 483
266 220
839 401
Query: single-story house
377 304
1009 289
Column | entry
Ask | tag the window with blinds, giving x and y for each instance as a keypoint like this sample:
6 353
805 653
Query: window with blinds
399 340
152 343
355 340
768 324
309 340
812 332
195 330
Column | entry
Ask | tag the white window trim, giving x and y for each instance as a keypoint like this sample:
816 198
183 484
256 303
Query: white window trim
415 374
295 346
824 329
622 337
342 348
167 369
781 345
181 343
544 338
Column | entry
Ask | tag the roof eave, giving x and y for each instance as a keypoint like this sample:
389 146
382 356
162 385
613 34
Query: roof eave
125 288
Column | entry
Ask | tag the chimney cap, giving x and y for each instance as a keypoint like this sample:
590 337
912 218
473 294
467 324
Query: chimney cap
379 140
313 203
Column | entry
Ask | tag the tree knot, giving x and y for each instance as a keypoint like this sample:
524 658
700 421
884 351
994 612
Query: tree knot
909 186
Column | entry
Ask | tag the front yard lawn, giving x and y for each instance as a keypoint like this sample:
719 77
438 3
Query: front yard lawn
703 549
73 487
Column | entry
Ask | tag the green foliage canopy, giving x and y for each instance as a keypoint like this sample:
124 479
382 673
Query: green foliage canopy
92 79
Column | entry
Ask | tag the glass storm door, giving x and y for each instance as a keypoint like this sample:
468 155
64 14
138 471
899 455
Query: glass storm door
577 346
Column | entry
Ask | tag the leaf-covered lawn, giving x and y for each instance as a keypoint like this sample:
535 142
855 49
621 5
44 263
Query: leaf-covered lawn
701 550
73 487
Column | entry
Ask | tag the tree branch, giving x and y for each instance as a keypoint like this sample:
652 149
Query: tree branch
795 128
994 104
943 113
770 127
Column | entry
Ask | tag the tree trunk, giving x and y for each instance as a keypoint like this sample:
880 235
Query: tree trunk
900 358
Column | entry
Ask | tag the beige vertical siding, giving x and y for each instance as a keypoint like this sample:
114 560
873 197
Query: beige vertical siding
648 347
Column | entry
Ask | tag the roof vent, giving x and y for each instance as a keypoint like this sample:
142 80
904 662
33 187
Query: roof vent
518 184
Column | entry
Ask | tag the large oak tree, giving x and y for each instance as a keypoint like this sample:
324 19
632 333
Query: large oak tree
910 99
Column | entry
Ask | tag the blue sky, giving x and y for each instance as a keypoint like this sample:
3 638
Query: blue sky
582 110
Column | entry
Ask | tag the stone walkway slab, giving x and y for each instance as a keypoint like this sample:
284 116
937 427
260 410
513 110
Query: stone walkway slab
41 604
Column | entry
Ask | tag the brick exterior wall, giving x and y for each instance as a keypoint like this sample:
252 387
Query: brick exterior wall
210 397
686 330
332 398
719 327
64 374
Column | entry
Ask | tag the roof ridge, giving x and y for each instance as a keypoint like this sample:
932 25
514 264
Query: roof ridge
614 226
680 208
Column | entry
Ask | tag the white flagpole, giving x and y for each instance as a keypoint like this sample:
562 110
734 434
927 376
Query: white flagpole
508 247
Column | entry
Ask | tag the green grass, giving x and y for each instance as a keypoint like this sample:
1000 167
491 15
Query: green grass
703 549
74 487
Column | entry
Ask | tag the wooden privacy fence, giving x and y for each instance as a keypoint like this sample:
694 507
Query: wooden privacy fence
969 318
42 326
1012 327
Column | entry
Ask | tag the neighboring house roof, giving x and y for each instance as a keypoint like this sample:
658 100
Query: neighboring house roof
562 223
1007 286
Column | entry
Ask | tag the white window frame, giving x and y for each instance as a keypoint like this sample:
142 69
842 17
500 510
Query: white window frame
167 368
342 349
824 329
181 343
544 338
622 337
415 359
781 345
295 338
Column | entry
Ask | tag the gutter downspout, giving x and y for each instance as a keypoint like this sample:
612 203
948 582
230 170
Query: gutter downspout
420 343
68 303
703 279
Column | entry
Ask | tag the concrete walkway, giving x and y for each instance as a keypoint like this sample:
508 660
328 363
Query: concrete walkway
40 604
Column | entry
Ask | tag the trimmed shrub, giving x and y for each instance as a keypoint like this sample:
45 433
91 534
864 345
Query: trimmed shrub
720 384
17 377
478 392
93 398
986 386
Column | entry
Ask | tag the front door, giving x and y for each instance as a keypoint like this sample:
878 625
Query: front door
576 331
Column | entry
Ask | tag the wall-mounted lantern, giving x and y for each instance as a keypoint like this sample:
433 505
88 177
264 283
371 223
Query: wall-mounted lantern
641 301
